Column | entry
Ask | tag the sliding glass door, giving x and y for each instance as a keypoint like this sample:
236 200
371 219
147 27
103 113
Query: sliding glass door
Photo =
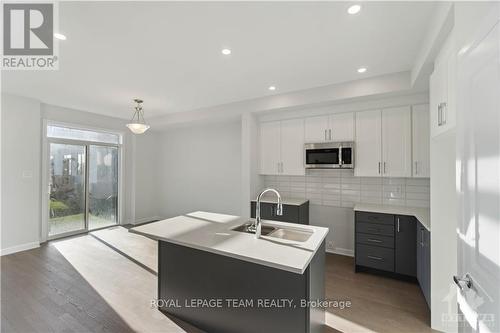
83 180
67 184
103 186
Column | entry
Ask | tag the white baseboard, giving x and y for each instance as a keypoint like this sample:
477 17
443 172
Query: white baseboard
19 248
147 219
343 252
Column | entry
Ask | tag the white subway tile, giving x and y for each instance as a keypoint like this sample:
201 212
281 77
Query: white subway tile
394 181
417 196
332 186
371 180
335 203
356 187
417 189
393 202
371 187
371 200
418 203
418 181
331 196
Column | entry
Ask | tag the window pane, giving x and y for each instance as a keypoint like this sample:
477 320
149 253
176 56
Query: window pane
83 135
103 186
67 188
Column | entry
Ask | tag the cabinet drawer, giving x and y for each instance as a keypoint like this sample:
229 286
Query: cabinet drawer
375 229
375 218
384 241
375 257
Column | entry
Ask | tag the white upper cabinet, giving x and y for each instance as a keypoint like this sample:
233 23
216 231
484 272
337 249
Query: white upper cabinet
396 142
336 127
421 141
368 145
270 148
282 147
292 147
316 129
342 127
442 90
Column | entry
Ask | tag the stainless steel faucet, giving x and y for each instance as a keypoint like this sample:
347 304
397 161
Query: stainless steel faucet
279 210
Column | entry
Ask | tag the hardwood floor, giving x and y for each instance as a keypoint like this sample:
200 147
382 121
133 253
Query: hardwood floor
379 304
81 285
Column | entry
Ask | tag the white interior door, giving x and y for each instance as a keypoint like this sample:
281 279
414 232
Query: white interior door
478 105
342 127
368 147
270 148
420 142
316 129
292 147
396 142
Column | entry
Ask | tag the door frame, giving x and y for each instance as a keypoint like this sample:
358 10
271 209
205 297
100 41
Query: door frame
45 192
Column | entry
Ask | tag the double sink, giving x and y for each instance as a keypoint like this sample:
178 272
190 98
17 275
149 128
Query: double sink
291 234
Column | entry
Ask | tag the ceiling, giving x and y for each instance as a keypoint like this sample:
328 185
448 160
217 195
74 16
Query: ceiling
169 53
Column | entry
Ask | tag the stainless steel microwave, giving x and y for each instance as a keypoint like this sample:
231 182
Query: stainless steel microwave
329 155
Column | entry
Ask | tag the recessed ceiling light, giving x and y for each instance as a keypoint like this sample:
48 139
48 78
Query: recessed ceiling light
362 70
272 88
226 51
59 36
354 9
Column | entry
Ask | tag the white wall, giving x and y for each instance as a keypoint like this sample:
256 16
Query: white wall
200 168
20 131
147 158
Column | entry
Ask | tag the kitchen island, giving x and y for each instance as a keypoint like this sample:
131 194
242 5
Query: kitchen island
223 280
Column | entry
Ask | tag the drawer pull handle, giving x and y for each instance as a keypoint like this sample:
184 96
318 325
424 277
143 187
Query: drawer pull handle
375 258
374 240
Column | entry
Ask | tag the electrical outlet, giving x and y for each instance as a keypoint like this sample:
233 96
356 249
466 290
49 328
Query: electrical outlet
329 245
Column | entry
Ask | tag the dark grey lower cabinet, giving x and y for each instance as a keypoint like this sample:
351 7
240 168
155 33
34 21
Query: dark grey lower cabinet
423 250
406 252
236 290
398 245
291 213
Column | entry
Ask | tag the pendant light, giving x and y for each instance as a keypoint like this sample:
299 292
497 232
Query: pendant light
138 125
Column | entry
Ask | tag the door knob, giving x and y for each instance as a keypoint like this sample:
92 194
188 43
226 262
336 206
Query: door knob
464 282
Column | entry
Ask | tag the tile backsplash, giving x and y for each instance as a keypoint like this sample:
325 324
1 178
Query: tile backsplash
340 188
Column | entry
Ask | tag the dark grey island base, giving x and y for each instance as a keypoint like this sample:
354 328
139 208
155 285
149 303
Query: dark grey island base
187 275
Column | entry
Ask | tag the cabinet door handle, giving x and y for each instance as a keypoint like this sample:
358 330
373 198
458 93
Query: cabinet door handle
464 282
384 168
375 258
398 223
439 114
330 134
416 167
379 168
443 113
374 240
325 136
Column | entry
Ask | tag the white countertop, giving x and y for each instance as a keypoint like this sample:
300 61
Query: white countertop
284 201
213 232
422 214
